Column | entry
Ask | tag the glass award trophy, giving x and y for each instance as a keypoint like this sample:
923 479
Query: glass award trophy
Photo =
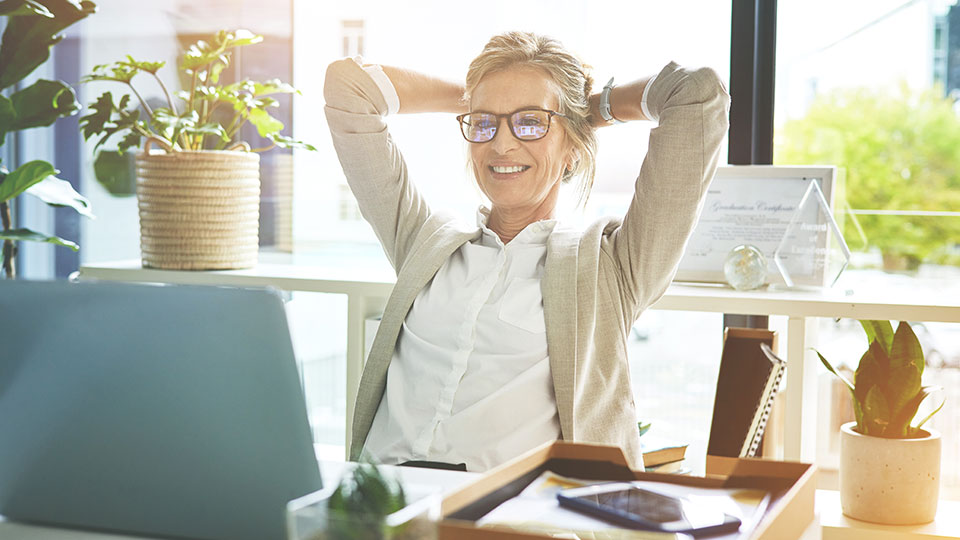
812 251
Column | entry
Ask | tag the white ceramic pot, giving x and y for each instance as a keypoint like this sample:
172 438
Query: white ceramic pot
890 481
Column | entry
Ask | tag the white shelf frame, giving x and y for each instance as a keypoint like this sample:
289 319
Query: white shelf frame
367 293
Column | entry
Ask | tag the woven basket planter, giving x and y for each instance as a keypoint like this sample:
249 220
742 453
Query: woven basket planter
199 210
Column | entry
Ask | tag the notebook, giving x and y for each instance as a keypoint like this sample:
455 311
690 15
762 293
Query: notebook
168 411
747 384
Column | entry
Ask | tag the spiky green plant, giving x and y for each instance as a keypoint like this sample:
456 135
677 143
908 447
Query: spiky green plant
886 390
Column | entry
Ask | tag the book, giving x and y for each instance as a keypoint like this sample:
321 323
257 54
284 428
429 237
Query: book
670 467
747 383
657 451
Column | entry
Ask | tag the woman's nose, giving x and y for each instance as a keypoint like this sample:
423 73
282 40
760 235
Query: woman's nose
503 140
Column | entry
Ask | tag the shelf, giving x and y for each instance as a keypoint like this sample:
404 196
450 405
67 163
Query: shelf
836 526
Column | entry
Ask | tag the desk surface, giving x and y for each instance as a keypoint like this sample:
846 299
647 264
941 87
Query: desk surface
880 297
330 470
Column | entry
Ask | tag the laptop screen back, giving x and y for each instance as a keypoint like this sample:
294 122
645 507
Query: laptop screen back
172 411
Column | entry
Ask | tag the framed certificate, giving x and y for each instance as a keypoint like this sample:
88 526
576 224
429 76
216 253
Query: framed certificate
751 204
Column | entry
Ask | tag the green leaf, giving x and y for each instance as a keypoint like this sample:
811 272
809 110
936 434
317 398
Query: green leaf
17 8
287 142
122 72
643 427
876 412
173 125
906 348
936 410
873 370
215 130
900 424
23 177
833 370
56 192
879 330
266 125
33 236
273 86
904 383
27 39
94 122
7 116
205 52
131 140
149 67
116 172
858 414
40 104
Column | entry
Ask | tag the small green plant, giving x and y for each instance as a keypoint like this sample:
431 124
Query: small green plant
210 114
32 28
886 390
358 508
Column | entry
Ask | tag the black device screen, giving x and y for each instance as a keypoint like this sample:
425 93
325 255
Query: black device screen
639 508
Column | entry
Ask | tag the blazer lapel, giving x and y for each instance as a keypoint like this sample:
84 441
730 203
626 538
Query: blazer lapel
417 270
559 288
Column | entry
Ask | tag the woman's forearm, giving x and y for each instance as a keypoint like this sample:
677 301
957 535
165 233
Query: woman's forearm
625 103
421 93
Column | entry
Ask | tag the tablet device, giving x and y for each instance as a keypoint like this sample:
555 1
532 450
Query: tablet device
626 505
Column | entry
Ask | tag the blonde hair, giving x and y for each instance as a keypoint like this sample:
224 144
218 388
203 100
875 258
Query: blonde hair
571 77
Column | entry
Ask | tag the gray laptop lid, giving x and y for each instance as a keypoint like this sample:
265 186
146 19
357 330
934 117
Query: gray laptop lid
170 411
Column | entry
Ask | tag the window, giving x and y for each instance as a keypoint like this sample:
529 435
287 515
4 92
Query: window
884 110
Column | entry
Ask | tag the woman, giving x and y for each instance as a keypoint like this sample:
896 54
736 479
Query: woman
511 333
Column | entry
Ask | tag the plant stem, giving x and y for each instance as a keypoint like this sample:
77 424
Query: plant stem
203 115
163 87
273 144
235 126
9 249
193 91
142 102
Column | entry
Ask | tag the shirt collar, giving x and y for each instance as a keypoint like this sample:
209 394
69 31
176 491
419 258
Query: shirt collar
535 233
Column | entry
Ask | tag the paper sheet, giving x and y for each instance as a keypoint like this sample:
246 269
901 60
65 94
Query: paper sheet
536 509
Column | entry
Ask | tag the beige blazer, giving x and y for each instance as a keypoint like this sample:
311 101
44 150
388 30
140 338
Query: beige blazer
596 282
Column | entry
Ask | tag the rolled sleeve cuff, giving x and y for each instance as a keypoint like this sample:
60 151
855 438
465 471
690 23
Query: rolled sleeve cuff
643 100
386 87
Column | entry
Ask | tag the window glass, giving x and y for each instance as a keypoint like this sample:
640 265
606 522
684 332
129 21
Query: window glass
871 86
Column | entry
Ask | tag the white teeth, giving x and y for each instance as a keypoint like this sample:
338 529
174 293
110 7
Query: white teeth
509 170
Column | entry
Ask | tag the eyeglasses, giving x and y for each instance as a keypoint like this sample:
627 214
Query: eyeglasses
526 124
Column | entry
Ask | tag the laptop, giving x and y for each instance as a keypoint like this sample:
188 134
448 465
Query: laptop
169 411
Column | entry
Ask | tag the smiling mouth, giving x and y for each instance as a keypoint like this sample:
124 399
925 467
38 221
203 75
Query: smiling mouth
514 169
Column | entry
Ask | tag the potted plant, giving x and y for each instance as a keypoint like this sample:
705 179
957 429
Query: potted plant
31 30
889 468
365 505
198 186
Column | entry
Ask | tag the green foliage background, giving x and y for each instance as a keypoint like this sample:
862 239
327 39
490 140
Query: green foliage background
900 149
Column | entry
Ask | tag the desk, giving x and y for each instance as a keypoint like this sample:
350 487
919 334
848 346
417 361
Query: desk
330 470
367 291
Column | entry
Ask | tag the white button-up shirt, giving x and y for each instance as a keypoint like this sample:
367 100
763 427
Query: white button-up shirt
470 378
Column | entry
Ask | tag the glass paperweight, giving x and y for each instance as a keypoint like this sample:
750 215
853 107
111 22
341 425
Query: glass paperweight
310 518
812 251
745 268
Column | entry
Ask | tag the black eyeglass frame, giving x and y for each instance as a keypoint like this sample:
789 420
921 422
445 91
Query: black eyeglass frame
509 117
